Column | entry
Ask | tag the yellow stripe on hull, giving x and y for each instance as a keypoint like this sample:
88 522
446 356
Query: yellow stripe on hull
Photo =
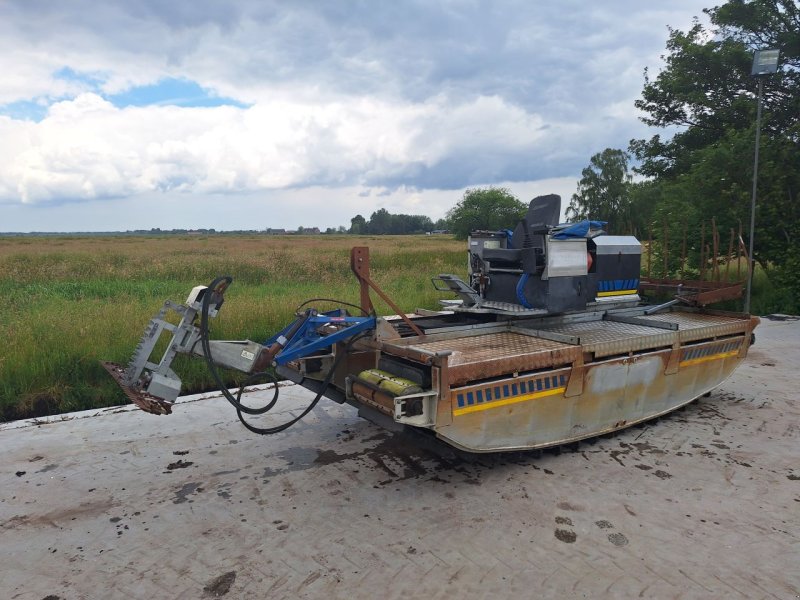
507 401
560 390
617 293
702 359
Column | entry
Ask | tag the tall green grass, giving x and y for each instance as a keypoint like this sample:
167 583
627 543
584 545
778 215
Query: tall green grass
67 303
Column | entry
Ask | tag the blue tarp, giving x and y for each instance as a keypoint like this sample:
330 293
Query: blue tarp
578 230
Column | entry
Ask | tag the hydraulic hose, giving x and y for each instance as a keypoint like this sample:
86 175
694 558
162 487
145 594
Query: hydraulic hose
334 301
325 385
241 409
521 290
284 426
212 368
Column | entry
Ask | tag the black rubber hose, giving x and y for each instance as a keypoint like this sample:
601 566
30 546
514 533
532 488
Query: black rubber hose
210 363
333 301
284 426
250 379
325 384
236 402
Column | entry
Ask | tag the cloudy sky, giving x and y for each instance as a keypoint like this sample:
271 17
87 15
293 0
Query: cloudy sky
131 114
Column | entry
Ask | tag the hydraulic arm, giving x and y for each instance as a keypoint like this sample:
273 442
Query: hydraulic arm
154 386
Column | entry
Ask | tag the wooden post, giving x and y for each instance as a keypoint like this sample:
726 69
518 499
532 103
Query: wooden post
739 255
715 246
729 259
702 252
683 252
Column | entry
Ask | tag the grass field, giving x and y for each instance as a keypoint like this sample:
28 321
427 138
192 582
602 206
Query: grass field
68 302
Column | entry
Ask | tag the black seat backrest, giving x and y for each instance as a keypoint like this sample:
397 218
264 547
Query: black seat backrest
543 213
529 235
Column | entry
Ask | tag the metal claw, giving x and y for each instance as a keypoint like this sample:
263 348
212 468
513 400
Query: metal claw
143 400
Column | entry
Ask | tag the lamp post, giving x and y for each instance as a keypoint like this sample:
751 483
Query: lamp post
765 62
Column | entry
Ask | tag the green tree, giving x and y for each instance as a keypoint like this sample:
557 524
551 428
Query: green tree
441 225
706 94
604 191
644 197
485 208
358 225
413 223
380 222
706 88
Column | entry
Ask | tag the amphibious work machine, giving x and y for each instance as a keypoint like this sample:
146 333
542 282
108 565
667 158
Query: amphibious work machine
547 342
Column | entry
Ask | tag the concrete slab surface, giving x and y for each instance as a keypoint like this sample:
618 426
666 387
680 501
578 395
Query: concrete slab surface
117 503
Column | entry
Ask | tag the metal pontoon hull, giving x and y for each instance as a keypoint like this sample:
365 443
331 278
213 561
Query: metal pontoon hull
532 384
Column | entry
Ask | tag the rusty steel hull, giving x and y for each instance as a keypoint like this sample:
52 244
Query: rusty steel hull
526 385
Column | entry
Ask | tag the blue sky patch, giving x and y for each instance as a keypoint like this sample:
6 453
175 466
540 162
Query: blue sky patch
167 92
177 92
24 110
92 82
36 109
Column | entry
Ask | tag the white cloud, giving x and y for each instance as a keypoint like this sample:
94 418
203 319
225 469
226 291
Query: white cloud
87 148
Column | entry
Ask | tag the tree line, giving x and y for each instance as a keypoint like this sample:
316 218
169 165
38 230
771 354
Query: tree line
480 208
704 171
382 222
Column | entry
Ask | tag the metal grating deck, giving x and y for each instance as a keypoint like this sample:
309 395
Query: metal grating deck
698 326
482 356
480 348
474 356
604 338
688 320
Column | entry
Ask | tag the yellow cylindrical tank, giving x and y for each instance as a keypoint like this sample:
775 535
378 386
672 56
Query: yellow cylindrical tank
397 386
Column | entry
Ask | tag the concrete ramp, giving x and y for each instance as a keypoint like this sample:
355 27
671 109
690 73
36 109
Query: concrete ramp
118 503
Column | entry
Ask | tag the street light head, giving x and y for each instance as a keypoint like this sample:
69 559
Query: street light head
765 62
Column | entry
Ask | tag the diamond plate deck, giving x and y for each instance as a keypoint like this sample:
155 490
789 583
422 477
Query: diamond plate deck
606 338
697 326
482 356
478 348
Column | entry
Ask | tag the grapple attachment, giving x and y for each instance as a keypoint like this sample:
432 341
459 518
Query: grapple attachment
152 386
142 399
